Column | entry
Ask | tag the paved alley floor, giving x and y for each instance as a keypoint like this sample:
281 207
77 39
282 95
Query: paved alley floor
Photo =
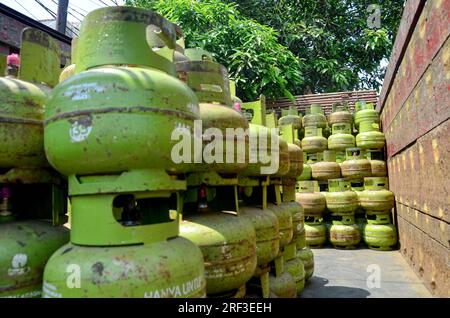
362 273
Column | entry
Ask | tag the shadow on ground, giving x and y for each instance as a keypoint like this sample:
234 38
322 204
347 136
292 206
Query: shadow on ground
317 287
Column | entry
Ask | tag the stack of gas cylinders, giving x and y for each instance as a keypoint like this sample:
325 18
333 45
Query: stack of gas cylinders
134 138
344 187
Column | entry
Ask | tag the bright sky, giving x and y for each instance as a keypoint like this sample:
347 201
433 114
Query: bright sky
77 9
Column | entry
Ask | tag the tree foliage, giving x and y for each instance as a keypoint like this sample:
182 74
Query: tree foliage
343 41
251 51
284 47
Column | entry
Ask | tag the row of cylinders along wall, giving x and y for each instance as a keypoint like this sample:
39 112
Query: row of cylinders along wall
104 132
343 188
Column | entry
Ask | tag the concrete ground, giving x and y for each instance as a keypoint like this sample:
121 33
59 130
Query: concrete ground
354 273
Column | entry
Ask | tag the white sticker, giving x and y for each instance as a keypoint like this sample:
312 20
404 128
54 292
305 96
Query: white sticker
18 265
79 132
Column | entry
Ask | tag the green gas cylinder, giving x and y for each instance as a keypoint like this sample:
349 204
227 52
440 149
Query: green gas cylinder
376 198
291 119
283 286
369 136
315 231
327 168
23 99
266 230
341 137
24 250
228 245
381 237
307 256
340 115
378 168
296 268
284 217
313 141
257 169
284 164
98 102
298 220
355 166
383 218
312 201
306 173
314 117
209 81
158 270
344 233
340 198
295 161
130 246
365 112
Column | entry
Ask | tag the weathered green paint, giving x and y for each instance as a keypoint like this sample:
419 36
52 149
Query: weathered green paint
283 162
296 268
314 117
365 112
283 286
307 256
39 58
295 161
88 116
341 139
22 102
327 168
228 245
339 115
312 201
369 136
344 233
378 218
314 141
284 217
159 269
355 166
306 173
341 200
375 197
382 237
208 80
316 234
121 36
21 115
24 250
255 111
267 232
378 167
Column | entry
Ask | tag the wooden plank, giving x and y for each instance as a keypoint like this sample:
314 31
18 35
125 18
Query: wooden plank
430 33
425 108
435 228
325 100
404 177
428 258
411 13
419 175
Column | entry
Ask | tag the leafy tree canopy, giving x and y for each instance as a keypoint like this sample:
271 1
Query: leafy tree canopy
285 47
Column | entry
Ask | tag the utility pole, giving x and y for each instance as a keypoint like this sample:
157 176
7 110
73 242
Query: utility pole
61 17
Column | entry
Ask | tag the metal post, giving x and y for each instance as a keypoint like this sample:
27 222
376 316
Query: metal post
61 17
